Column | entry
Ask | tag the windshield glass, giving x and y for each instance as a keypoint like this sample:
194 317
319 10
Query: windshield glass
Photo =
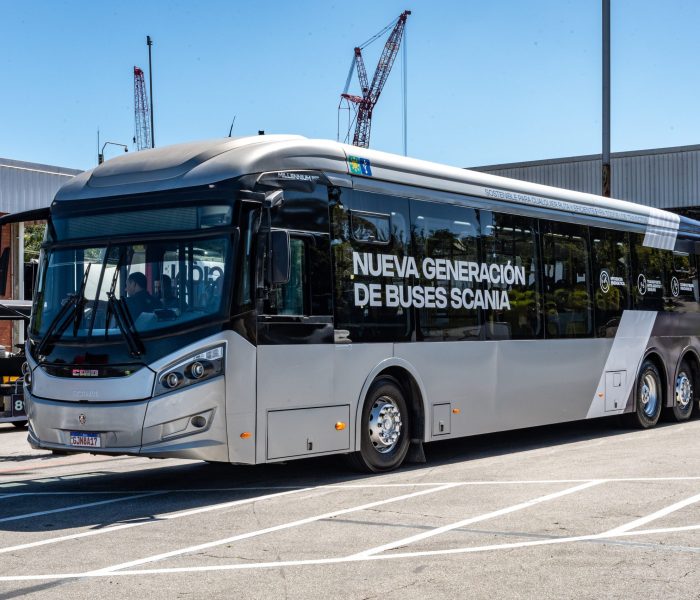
160 284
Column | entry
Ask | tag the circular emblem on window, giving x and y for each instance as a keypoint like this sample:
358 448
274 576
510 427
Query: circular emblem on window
642 284
675 286
604 281
82 418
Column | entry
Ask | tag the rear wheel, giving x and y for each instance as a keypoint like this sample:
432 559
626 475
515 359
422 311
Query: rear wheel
684 394
648 398
385 428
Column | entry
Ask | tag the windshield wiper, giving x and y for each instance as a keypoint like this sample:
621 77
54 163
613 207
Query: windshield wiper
74 300
124 322
136 347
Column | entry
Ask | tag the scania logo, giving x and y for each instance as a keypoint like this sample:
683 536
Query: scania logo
82 419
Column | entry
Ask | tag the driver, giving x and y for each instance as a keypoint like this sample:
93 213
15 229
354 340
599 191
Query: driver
138 300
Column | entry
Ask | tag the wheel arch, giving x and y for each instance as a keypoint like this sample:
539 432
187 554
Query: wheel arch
411 385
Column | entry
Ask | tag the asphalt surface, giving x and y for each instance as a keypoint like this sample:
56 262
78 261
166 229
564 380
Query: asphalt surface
584 510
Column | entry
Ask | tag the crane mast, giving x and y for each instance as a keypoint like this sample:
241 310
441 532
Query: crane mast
143 135
370 92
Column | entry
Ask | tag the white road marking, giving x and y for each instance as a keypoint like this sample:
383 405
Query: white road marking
163 491
661 530
331 561
343 485
654 516
153 519
75 507
476 519
250 534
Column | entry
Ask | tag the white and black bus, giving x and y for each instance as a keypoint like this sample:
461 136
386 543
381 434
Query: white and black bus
266 298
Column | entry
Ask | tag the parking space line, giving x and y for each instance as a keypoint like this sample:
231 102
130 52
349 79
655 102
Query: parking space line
476 519
654 516
153 519
661 530
259 532
76 507
165 491
598 537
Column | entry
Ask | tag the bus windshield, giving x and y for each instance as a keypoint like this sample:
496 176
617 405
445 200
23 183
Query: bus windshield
112 290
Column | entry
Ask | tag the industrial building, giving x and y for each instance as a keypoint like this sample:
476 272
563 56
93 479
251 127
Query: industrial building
667 178
23 186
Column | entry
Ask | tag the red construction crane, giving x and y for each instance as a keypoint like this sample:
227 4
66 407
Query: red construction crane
143 135
370 92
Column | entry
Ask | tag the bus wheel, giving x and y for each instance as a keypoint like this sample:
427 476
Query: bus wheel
648 398
684 394
385 428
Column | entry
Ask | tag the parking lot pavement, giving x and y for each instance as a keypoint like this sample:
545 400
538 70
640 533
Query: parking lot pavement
583 510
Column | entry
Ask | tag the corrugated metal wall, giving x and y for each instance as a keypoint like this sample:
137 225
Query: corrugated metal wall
26 186
664 178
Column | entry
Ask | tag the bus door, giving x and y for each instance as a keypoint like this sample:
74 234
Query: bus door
295 409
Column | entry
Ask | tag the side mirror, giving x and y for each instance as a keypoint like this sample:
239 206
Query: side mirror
280 254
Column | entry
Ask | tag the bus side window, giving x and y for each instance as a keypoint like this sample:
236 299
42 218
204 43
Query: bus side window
681 283
611 277
567 278
291 298
308 291
648 273
448 233
510 240
366 270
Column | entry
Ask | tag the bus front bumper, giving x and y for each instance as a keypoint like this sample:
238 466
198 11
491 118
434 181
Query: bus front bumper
186 424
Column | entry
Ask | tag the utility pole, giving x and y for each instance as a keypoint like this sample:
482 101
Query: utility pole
607 175
149 43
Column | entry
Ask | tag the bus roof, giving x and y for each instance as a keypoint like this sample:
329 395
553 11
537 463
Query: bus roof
208 162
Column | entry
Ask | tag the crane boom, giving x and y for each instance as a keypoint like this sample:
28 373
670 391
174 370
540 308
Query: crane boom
143 135
371 92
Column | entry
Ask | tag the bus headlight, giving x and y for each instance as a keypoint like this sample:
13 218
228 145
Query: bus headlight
27 375
191 369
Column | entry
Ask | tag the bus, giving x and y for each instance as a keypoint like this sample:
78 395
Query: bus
11 361
261 299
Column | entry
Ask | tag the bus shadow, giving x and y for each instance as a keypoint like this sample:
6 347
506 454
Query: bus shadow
79 501
524 440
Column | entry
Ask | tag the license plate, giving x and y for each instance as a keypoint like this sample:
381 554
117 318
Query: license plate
18 405
84 439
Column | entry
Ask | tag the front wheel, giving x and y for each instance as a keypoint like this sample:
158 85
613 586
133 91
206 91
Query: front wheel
648 398
385 428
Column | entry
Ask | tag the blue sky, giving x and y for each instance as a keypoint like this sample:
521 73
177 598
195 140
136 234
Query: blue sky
488 82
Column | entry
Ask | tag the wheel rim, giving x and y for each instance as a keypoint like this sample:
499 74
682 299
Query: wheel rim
385 424
684 390
649 395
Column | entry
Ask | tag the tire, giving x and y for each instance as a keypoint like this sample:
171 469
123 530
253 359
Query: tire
385 428
19 424
683 394
648 398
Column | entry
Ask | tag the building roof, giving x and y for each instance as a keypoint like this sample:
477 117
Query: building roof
28 186
667 178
